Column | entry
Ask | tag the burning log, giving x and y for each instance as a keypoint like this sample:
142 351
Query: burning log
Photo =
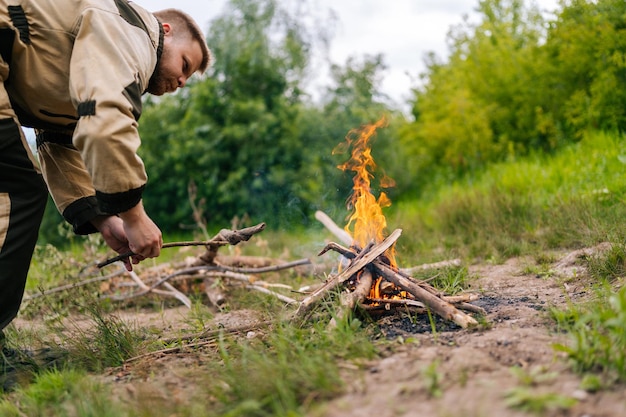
436 304
357 264
350 299
366 259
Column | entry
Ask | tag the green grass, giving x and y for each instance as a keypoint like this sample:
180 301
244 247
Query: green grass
572 199
61 393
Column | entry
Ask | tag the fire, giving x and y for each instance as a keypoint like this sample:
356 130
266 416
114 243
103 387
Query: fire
367 222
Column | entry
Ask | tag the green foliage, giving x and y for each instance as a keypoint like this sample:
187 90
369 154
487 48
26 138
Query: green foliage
289 369
571 199
480 106
234 133
61 393
586 66
514 84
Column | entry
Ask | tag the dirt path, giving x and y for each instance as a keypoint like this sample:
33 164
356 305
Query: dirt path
469 374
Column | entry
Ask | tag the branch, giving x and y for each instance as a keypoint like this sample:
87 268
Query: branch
224 237
356 265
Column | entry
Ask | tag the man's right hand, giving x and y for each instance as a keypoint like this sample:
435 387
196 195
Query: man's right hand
144 237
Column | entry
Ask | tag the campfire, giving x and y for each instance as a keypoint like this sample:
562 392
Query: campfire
371 277
368 275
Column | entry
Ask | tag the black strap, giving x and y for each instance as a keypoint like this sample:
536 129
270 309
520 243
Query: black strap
53 137
18 17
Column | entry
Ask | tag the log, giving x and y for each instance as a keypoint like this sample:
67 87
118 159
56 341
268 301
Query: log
355 266
215 294
350 299
436 304
341 234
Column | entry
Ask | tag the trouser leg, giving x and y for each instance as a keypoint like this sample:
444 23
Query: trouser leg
23 197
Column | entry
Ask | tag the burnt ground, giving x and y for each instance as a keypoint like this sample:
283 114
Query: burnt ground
452 372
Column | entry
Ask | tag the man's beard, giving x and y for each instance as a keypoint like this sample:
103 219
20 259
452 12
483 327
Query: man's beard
157 85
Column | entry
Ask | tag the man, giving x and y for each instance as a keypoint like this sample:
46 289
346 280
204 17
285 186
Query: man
75 70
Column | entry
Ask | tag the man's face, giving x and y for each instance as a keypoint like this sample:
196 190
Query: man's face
181 58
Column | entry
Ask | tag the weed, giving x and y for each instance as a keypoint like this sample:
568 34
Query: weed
56 392
432 378
532 401
285 370
107 342
609 265
450 280
597 333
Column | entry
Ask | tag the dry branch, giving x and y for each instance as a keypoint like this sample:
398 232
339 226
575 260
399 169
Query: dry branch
224 237
350 299
341 234
66 287
355 266
436 304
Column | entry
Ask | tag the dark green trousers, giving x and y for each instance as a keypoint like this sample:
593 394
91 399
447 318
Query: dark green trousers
23 197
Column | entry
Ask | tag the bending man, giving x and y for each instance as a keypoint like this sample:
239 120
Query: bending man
75 71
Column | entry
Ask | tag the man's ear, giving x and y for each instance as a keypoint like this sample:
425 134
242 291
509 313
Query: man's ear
167 28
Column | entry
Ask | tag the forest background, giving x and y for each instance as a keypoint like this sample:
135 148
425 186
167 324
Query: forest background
246 144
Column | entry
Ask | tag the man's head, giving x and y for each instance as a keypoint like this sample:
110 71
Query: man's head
185 52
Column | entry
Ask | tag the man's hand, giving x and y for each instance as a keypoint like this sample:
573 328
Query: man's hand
112 230
144 237
132 231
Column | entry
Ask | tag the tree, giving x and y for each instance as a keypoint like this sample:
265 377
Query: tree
235 132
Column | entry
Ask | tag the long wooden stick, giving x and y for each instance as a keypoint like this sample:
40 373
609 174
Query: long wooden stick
341 234
224 237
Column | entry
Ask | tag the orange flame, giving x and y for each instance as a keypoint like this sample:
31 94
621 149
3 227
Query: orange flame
367 222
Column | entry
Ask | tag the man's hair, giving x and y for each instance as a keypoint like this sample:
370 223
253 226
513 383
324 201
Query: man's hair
182 20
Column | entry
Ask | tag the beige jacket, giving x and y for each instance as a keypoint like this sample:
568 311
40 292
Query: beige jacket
78 69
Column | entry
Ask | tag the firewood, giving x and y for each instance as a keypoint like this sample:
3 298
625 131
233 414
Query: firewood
341 234
214 293
355 266
436 304
350 299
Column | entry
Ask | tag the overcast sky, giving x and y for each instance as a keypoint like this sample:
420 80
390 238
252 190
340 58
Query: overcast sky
402 30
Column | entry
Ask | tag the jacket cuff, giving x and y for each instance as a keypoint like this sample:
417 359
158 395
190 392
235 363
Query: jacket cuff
119 202
80 213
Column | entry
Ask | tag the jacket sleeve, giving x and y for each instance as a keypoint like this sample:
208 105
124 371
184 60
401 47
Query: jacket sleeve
111 64
69 183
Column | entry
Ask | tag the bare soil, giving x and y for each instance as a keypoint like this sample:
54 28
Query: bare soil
453 372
